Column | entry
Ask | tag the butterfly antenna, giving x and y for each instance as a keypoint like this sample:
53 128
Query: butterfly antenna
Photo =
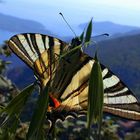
68 24
105 34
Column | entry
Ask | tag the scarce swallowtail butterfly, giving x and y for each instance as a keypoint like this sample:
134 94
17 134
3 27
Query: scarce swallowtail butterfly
70 76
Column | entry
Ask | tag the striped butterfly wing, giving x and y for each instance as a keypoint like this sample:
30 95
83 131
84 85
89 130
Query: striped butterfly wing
39 52
72 91
118 98
71 76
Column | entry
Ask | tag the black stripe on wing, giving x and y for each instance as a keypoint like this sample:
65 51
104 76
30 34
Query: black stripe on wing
118 98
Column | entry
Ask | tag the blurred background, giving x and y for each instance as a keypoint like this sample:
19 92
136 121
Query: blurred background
120 52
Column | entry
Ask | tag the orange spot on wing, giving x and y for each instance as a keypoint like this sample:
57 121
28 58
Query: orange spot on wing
55 101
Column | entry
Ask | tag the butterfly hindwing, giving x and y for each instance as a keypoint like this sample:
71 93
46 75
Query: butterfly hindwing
118 99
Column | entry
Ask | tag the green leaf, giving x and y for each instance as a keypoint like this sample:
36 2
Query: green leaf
19 101
5 135
70 51
88 32
95 95
36 125
11 125
1 108
82 36
13 109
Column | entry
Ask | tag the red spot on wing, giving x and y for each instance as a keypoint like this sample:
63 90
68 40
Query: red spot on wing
55 101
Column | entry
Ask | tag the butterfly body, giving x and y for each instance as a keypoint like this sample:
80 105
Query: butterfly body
69 77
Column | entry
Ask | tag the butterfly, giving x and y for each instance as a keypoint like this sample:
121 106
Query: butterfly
69 77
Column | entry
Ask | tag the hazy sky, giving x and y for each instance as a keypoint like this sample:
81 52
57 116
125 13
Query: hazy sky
76 11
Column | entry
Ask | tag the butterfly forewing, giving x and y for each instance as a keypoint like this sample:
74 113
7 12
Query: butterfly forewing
39 52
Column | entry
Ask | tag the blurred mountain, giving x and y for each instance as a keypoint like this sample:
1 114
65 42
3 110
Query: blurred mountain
5 35
19 25
110 28
10 25
22 76
114 30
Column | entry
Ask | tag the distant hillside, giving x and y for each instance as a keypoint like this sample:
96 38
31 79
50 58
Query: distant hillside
14 24
110 28
5 35
22 76
10 25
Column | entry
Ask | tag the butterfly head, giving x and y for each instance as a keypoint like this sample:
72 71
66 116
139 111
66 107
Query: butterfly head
75 42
